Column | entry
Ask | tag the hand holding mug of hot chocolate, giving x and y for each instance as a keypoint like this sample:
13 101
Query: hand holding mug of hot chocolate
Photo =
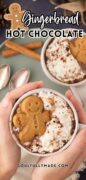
10 153
59 119
69 160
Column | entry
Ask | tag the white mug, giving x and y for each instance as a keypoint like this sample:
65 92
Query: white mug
77 125
80 92
79 89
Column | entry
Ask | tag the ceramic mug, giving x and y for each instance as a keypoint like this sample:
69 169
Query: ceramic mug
77 125
78 89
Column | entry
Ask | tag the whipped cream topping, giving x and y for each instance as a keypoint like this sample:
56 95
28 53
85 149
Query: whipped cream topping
58 130
61 63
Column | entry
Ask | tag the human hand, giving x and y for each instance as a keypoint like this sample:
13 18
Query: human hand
72 156
9 151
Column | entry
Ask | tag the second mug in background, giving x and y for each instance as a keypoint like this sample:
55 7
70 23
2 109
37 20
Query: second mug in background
62 67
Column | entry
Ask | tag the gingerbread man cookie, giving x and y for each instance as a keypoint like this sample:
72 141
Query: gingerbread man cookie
31 119
15 16
78 49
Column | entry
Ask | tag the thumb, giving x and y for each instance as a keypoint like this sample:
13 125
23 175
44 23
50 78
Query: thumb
77 151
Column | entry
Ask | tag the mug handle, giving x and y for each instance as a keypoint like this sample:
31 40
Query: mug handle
80 93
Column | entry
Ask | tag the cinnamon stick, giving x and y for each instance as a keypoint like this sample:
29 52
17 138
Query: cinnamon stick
33 45
23 50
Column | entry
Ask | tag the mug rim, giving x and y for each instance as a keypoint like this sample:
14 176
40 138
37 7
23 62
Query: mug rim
46 71
56 93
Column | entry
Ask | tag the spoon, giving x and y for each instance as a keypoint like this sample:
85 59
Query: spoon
20 78
4 75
